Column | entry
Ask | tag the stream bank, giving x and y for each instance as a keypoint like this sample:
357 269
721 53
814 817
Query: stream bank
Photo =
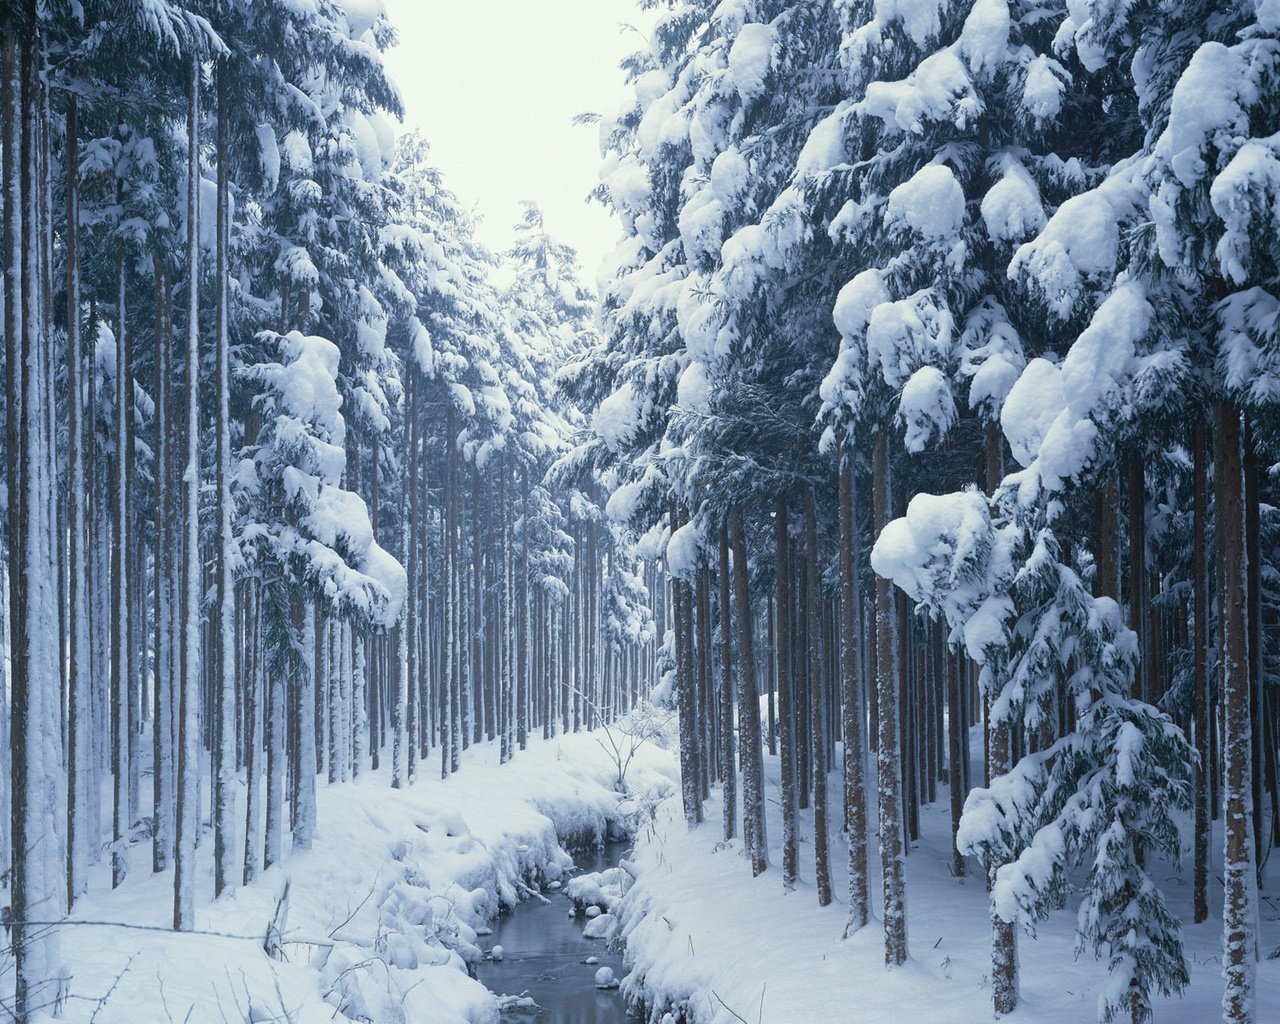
545 957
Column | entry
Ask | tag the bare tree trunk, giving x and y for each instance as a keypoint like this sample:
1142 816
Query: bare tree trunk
1239 911
80 712
753 820
855 811
253 734
786 701
224 766
1199 642
522 667
304 814
690 787
120 646
889 758
817 705
728 775
1004 937
1253 640
188 735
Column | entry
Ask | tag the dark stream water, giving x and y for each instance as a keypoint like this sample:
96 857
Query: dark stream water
543 954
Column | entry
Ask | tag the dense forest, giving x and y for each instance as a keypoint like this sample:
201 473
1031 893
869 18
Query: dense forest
929 398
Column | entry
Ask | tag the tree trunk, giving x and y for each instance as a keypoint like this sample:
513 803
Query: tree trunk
786 702
188 735
224 766
888 756
753 819
80 712
1004 937
120 647
855 810
728 774
817 704
1199 642
1239 911
690 788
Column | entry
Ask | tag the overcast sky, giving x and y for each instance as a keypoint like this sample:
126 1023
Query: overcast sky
494 85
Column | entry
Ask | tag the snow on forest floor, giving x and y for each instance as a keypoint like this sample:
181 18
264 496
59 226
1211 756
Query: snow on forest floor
706 938
383 912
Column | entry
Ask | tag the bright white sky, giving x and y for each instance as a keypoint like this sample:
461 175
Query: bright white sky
494 85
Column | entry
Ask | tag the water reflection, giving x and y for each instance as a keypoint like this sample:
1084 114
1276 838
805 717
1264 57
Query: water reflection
543 954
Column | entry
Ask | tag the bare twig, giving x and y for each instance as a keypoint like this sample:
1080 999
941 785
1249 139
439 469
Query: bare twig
114 985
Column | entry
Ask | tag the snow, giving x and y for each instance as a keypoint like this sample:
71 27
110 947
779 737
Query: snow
683 550
825 147
384 912
605 979
296 152
1094 373
750 57
705 939
1011 208
1208 108
1033 403
984 40
729 175
1081 241
926 407
920 19
931 203
268 155
1245 196
617 420
856 301
903 335
1042 91
938 90
693 390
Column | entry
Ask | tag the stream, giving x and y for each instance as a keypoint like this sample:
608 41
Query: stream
543 954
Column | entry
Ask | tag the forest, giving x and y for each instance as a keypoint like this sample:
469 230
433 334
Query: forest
914 448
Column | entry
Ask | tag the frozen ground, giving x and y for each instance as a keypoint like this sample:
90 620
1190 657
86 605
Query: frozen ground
381 916
709 941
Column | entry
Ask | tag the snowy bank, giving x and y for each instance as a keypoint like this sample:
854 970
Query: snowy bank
710 945
380 920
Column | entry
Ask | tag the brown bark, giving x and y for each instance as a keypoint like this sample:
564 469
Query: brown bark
1238 859
888 756
817 705
1199 642
855 811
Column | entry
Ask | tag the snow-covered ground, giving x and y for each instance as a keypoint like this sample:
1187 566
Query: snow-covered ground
710 942
383 913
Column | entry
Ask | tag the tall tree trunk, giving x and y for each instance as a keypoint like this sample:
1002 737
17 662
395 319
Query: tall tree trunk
1137 507
1199 643
304 814
522 668
253 733
786 701
1239 911
1004 937
728 775
888 755
224 761
817 704
855 811
753 820
36 881
188 735
690 787
80 712
1253 638
120 647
